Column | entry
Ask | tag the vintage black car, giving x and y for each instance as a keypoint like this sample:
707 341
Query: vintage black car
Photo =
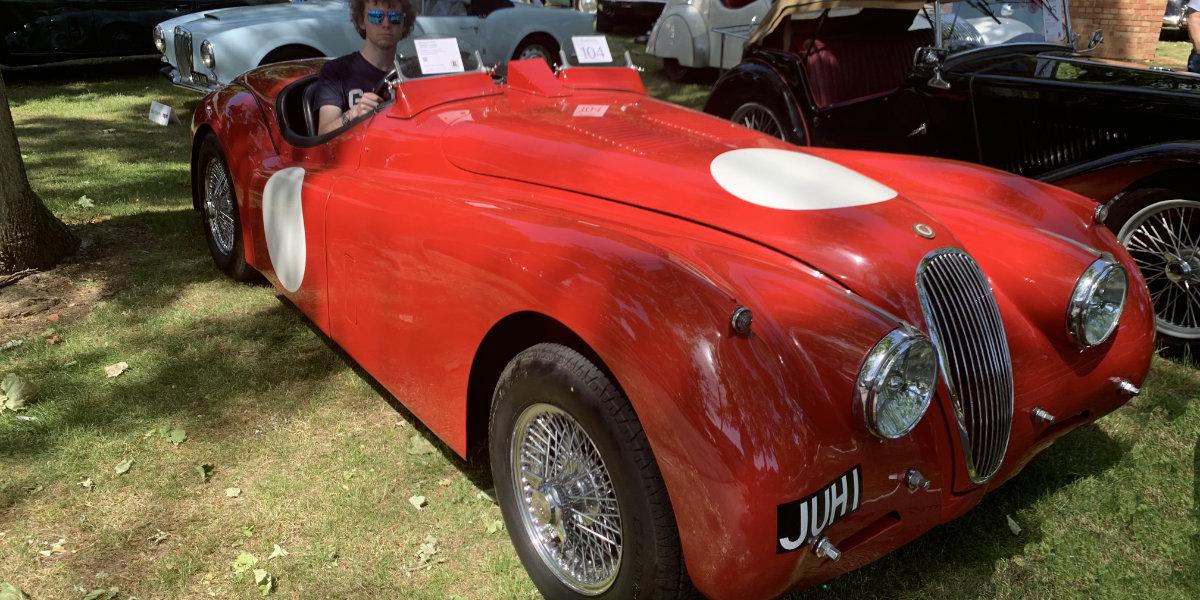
37 31
639 14
999 83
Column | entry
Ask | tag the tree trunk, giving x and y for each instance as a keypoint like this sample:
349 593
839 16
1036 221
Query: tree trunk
30 236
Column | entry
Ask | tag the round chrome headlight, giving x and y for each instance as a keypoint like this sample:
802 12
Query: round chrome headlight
586 6
206 55
159 42
897 382
1097 302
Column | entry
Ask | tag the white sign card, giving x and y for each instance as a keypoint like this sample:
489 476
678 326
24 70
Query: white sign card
439 55
591 49
162 114
590 110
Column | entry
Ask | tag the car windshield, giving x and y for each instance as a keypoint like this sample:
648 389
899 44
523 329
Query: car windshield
971 24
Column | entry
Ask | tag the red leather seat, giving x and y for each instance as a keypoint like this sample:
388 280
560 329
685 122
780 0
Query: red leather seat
848 67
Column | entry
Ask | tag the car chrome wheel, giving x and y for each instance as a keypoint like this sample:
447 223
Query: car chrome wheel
218 205
566 499
1164 240
759 118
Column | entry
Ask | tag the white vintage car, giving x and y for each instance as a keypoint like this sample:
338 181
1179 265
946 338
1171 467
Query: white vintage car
208 49
695 34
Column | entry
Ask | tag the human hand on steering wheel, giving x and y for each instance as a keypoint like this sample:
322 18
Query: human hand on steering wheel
369 102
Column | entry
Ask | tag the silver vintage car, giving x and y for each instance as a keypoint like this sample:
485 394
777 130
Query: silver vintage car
207 50
696 34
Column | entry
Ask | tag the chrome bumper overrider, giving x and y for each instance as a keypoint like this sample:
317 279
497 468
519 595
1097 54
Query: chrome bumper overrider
178 80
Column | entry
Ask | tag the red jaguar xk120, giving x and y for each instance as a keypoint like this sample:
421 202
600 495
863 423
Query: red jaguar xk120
699 357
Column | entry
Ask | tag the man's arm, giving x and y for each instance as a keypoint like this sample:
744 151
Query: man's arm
1193 23
331 117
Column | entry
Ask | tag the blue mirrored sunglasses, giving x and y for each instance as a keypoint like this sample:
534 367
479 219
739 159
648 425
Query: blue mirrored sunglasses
395 17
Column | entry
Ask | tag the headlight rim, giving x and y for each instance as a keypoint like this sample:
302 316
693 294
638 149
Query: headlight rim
881 356
1085 289
160 38
207 56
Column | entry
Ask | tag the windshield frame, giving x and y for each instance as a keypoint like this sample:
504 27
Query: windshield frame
1060 6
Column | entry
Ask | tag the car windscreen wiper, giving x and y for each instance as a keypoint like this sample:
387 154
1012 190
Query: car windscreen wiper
982 7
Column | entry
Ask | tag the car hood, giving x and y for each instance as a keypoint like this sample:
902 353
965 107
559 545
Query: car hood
223 19
830 209
1068 68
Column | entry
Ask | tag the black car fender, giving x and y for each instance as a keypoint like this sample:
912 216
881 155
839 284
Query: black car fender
1173 165
772 78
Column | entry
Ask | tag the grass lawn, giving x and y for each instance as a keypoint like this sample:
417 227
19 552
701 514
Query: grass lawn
324 464
1172 54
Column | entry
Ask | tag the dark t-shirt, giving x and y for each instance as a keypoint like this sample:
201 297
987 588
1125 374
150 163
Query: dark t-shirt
344 80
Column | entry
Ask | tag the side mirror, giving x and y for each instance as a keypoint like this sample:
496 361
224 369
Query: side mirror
1097 39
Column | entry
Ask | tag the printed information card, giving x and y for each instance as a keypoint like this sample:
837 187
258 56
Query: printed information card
591 49
439 55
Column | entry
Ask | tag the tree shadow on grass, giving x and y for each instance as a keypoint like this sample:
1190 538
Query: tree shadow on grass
146 263
975 543
100 69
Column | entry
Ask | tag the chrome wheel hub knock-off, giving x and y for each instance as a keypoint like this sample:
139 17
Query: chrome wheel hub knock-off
566 499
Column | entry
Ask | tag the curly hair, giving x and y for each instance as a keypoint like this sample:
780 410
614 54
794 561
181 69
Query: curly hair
358 12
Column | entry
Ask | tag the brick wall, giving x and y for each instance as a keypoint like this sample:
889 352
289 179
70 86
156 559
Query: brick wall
1130 26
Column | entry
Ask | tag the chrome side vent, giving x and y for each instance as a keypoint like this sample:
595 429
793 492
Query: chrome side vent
183 53
964 323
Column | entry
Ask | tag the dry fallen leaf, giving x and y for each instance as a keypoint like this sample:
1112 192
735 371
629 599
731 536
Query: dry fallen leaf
418 502
52 340
233 492
123 466
55 548
1012 525
87 484
115 370
53 317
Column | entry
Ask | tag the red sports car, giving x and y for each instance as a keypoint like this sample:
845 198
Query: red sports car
699 357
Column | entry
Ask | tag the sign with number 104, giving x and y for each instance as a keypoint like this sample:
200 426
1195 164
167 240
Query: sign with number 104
591 49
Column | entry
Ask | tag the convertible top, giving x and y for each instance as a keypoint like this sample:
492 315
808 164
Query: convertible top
782 9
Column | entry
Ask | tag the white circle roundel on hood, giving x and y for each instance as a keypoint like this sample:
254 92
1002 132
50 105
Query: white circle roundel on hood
283 221
790 180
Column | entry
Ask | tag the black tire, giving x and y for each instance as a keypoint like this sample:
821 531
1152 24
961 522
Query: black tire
535 48
676 72
1169 259
550 381
227 253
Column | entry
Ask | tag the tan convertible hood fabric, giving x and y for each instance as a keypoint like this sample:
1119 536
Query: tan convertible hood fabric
782 9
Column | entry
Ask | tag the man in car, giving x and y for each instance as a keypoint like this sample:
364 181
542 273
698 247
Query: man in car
1192 13
346 83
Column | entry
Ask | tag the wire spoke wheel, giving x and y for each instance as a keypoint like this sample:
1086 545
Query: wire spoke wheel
759 118
566 499
1164 240
219 205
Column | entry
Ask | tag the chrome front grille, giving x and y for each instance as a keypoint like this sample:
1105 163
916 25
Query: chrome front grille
183 53
964 322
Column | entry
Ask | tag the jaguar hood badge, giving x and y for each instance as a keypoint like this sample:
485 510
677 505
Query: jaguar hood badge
923 230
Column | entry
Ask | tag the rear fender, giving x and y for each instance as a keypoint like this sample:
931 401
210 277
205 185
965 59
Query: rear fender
682 35
234 116
757 79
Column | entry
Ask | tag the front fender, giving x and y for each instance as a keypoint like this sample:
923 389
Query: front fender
1104 179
